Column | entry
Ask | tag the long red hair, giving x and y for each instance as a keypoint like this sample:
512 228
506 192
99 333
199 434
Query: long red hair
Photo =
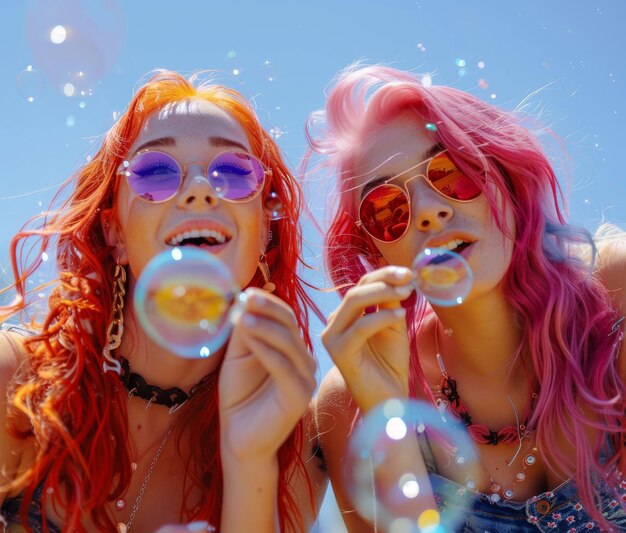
77 413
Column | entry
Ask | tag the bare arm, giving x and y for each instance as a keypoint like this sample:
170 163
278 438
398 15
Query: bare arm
335 413
309 502
265 387
12 353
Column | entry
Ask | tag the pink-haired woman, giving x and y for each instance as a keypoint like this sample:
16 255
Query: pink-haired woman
101 437
531 361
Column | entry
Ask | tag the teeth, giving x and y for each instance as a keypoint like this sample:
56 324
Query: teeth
196 233
452 244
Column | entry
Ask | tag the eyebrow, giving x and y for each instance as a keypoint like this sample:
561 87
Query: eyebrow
428 154
219 142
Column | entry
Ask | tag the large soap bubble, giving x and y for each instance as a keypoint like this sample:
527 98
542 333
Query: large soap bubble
386 482
184 298
75 43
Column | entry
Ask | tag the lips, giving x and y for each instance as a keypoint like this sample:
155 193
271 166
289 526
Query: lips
456 243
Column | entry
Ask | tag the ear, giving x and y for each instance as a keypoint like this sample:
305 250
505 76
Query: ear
112 235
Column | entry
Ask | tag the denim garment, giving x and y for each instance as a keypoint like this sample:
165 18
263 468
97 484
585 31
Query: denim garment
556 510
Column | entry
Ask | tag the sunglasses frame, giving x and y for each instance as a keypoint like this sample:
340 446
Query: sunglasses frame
405 190
183 174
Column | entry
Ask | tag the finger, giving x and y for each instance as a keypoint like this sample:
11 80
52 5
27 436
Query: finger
359 298
281 339
286 378
393 275
269 305
360 331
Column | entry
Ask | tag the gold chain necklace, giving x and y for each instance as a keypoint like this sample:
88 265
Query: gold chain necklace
120 504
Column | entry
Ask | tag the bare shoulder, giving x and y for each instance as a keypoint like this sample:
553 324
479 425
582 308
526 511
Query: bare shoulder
336 414
611 268
12 354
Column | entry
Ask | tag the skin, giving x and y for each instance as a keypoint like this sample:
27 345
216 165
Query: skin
371 351
267 377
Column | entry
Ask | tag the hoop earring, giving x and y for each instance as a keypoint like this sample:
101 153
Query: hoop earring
116 324
269 286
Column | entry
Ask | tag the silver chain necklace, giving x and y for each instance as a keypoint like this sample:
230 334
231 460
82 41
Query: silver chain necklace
122 527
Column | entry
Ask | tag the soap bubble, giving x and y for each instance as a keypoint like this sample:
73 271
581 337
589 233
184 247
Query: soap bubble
30 84
75 42
184 298
385 478
442 276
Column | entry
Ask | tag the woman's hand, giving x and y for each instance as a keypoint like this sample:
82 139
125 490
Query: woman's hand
266 381
372 350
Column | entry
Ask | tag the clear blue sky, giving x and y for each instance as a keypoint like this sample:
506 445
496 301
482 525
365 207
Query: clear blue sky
570 50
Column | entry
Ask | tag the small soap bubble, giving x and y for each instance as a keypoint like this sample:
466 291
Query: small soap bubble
231 54
236 71
44 256
481 64
276 133
269 70
184 298
462 72
431 127
70 121
82 105
273 206
30 84
483 84
492 96
444 277
383 480
421 47
427 80
69 90
459 62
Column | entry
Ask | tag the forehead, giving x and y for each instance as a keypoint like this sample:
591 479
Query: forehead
392 146
191 120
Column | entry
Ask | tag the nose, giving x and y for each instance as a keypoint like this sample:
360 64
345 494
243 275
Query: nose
431 211
196 191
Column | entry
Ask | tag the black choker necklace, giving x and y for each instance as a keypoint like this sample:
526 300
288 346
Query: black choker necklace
172 397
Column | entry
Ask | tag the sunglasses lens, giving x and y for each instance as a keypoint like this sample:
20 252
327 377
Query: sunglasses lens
153 176
236 176
450 181
384 212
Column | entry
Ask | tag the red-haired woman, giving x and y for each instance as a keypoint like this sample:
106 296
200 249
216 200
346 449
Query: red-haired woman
101 437
531 361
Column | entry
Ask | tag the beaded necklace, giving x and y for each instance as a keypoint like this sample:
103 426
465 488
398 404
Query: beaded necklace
447 397
449 394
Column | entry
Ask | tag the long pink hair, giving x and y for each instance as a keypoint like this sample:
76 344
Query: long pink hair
565 312
72 407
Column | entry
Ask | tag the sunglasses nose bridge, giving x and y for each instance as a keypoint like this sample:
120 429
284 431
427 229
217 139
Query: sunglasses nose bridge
196 184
